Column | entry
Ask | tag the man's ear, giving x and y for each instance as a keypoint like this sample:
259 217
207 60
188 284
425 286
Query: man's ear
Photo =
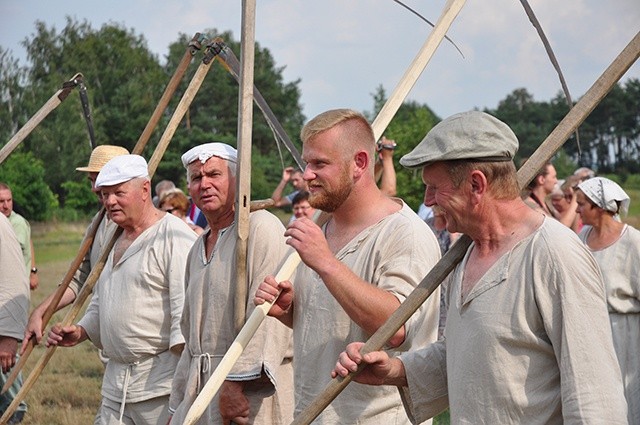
478 183
361 160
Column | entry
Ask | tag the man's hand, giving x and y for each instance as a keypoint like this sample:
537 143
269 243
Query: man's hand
268 291
308 239
33 281
233 404
286 174
33 329
66 336
8 347
380 369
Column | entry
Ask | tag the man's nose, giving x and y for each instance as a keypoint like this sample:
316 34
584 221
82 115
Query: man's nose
429 196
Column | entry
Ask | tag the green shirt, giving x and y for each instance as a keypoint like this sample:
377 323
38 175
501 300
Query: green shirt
23 232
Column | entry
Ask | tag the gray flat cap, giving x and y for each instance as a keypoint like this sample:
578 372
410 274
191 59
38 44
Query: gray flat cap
468 135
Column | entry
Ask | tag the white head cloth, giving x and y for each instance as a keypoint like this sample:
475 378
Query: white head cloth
604 193
203 152
121 169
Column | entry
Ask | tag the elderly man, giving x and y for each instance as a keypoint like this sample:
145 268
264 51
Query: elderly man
357 269
14 308
259 387
99 157
22 229
527 338
134 315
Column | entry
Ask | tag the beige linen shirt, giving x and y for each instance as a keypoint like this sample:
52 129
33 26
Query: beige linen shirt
14 284
620 265
393 254
530 344
100 239
208 326
134 314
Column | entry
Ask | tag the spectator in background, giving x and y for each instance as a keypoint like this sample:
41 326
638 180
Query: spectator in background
14 309
584 173
175 202
294 176
22 228
616 248
301 206
384 167
161 187
540 187
566 208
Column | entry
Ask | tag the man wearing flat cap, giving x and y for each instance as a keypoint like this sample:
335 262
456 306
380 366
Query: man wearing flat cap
134 315
527 338
259 388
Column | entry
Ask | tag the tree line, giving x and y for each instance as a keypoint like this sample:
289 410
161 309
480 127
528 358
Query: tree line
125 81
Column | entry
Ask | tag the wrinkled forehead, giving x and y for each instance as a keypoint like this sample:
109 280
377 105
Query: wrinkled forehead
212 163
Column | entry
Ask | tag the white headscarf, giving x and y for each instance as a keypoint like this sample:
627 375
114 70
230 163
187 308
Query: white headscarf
605 194
203 152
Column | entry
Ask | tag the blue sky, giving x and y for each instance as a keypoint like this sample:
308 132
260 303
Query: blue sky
342 50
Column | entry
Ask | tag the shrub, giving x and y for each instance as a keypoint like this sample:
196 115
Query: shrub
24 174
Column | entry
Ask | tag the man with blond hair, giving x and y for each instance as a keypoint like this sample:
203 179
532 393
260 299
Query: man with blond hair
357 269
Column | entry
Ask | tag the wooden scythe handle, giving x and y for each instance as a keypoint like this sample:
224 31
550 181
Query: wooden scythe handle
37 118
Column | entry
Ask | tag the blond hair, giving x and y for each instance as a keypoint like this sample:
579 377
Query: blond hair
355 131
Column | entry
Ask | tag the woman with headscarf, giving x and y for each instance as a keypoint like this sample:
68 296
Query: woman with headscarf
616 248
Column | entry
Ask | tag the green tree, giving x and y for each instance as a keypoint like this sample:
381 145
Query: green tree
123 79
25 175
531 121
11 93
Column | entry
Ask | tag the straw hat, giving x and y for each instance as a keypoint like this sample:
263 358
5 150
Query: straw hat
100 156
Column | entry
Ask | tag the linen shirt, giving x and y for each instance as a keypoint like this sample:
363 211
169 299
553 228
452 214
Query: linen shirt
100 239
529 344
208 326
394 255
620 265
14 284
134 314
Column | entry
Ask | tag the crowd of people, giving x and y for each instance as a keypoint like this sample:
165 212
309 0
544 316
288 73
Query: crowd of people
539 323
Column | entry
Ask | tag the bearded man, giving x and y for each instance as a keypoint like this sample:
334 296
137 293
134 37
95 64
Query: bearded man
358 268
